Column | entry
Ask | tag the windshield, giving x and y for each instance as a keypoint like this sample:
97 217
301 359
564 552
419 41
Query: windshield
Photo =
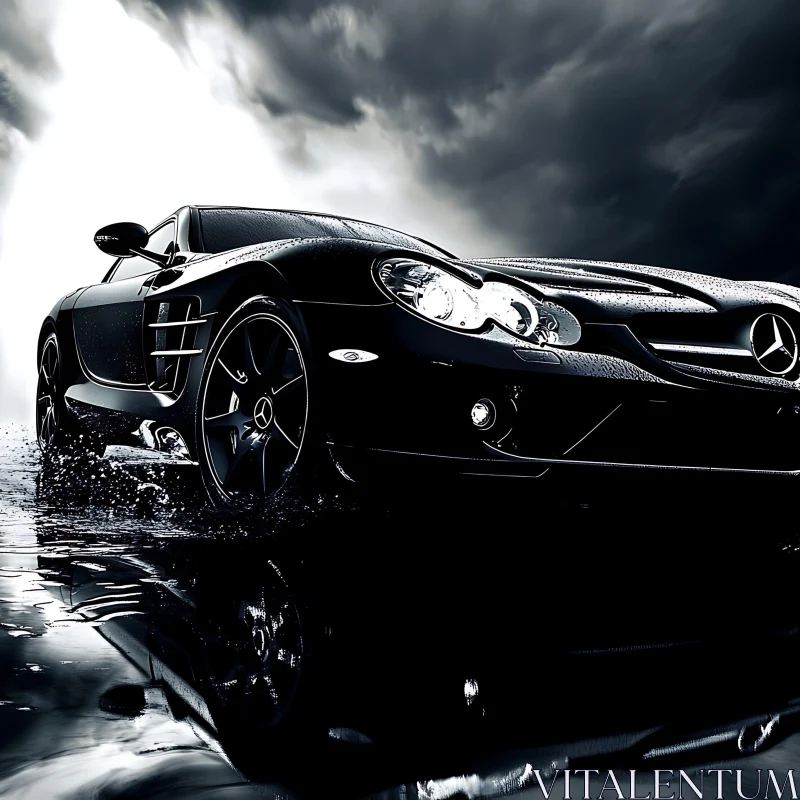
229 228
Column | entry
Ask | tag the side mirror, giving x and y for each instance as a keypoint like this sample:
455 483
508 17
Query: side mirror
122 239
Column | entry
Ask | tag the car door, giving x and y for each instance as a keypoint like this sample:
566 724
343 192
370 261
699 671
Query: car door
108 316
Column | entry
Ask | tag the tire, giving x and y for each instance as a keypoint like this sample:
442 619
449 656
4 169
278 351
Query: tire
256 432
56 431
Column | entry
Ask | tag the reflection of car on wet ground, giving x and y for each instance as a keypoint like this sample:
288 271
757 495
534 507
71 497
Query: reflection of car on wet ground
432 661
254 340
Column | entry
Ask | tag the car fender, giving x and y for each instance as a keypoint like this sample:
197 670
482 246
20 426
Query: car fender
305 270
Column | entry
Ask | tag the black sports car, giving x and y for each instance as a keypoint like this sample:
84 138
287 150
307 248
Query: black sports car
256 341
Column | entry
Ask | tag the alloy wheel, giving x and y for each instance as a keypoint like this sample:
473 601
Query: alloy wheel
47 395
255 408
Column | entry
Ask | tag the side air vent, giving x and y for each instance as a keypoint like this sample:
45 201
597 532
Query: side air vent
170 329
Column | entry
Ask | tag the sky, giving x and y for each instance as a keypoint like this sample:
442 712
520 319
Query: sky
659 131
127 128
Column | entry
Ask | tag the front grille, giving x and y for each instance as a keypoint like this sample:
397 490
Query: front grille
721 356
719 341
169 335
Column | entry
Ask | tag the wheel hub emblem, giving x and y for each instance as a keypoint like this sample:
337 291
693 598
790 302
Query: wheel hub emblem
774 344
262 414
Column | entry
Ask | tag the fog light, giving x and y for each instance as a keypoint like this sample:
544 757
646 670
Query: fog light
483 414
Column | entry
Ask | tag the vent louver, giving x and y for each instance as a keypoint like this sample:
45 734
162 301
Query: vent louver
169 336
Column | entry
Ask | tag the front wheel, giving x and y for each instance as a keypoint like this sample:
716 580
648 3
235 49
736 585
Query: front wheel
255 430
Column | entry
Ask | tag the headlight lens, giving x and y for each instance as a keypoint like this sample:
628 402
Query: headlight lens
444 298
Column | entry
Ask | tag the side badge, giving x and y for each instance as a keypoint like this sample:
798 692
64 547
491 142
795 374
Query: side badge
353 356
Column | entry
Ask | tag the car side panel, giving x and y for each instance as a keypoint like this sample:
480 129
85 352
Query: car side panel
107 319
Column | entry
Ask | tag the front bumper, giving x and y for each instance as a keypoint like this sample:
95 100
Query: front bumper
613 403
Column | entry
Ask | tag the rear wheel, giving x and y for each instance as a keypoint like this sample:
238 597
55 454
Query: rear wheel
56 430
254 428
48 398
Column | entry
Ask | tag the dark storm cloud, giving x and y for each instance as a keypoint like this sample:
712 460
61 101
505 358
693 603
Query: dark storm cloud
660 131
25 56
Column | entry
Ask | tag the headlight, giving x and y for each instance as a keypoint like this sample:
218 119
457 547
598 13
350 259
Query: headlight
446 299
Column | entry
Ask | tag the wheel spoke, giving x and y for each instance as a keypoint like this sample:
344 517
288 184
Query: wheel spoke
47 377
52 362
279 433
234 464
276 357
260 449
277 463
229 379
222 422
291 386
47 424
244 353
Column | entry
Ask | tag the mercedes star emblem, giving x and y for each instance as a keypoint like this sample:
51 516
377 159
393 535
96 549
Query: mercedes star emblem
774 344
262 413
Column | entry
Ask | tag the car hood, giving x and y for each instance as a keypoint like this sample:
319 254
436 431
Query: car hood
596 278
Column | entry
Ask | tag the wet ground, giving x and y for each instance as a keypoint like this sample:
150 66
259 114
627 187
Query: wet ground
54 666
108 568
